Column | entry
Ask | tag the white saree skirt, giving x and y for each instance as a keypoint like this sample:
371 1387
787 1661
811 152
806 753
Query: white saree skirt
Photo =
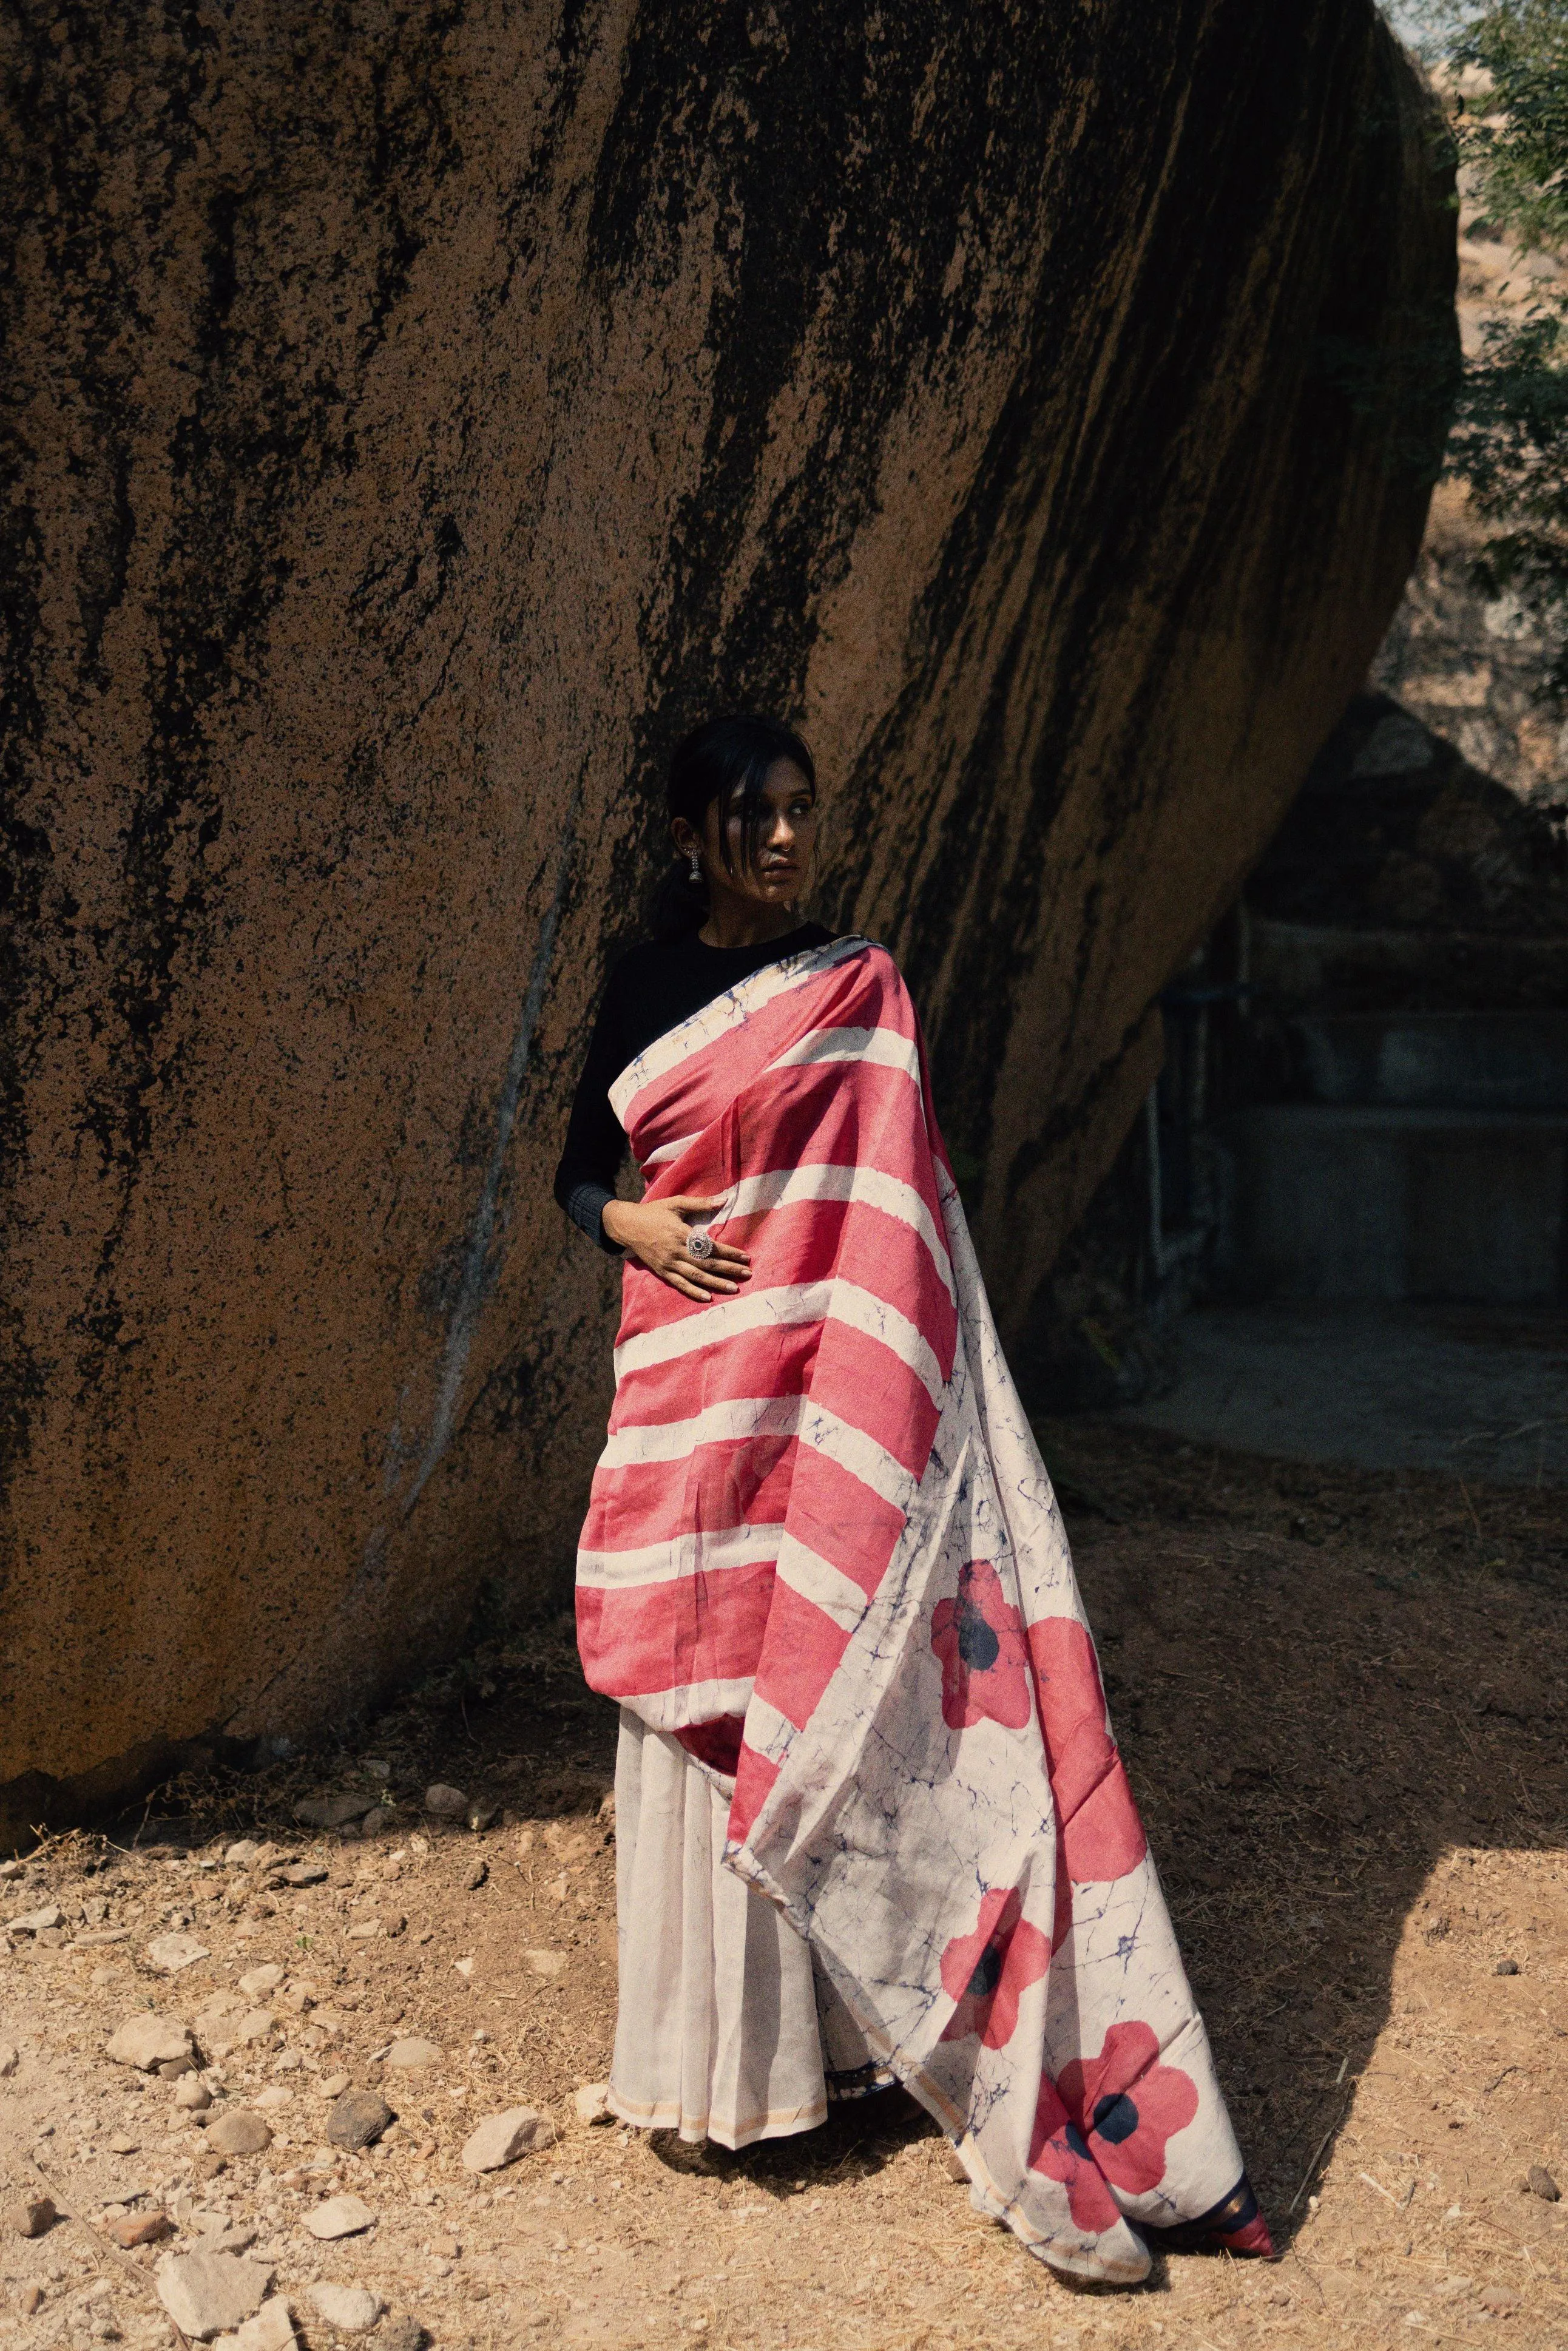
723 2023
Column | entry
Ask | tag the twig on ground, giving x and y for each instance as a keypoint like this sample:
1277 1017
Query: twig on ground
1317 2151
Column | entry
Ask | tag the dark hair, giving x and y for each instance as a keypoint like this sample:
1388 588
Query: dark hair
712 763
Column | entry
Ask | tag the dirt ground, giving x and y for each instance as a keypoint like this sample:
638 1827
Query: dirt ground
1341 1696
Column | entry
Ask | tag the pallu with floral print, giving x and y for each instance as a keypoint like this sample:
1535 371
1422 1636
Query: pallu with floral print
822 1550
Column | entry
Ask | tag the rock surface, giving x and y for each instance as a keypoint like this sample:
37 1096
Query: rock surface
1010 397
411 2054
592 2102
210 2294
239 2133
339 2215
134 2229
270 2330
351 2309
34 2215
170 1953
358 2120
501 2138
148 2041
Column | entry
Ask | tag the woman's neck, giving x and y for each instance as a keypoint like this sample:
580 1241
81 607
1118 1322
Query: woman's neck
743 922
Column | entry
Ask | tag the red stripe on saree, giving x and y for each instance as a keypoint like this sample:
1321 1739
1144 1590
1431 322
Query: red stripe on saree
821 1523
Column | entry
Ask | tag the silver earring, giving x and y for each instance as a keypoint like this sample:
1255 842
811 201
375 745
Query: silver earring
696 868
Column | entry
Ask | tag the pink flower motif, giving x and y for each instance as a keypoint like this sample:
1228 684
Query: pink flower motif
1057 2151
979 1638
988 1970
1124 2106
1101 1836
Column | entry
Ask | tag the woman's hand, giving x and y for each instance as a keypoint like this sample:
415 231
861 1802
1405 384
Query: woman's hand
655 1233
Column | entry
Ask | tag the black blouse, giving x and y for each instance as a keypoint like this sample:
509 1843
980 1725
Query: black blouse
651 989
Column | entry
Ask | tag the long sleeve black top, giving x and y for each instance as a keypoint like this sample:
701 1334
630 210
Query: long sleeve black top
650 990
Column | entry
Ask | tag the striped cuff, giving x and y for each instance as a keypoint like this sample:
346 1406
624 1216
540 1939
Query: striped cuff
585 1205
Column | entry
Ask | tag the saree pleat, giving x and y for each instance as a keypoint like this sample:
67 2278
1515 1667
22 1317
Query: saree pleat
716 2033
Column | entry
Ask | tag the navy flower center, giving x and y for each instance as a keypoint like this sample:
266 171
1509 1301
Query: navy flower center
1115 2118
1076 2141
988 1973
978 1646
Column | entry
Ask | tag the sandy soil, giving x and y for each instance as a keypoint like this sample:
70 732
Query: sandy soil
1341 1698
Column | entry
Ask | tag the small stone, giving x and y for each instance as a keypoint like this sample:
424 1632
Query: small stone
351 2309
339 2215
1541 2183
410 2054
473 1876
256 2025
501 2138
37 1922
170 1953
1506 1967
240 2132
12 1869
243 1854
446 1803
274 2096
483 1816
10 2058
546 1963
148 2041
358 2120
139 2229
593 2102
270 2330
402 2333
305 1872
260 1981
208 2292
208 2164
33 2216
334 2085
174 2069
331 1812
32 2300
122 2143
192 2095
378 1820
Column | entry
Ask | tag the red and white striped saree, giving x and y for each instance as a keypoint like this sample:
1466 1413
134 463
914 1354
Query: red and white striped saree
822 1550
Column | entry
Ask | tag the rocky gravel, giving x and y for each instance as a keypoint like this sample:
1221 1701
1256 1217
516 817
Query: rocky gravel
1349 1747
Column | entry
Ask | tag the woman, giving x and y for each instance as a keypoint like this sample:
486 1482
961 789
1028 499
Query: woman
872 1824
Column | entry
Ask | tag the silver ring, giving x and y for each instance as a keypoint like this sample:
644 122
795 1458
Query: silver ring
699 1244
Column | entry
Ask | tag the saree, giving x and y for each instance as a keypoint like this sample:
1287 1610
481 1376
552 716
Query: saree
822 1550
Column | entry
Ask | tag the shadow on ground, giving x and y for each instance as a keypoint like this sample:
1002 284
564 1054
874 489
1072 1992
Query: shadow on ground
1324 1679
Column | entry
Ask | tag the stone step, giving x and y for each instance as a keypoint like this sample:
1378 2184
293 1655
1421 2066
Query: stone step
1352 1202
1429 1060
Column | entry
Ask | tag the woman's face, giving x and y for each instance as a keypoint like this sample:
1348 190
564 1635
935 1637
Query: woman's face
771 868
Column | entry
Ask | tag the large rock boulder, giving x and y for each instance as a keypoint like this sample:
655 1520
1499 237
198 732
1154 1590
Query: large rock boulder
419 417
